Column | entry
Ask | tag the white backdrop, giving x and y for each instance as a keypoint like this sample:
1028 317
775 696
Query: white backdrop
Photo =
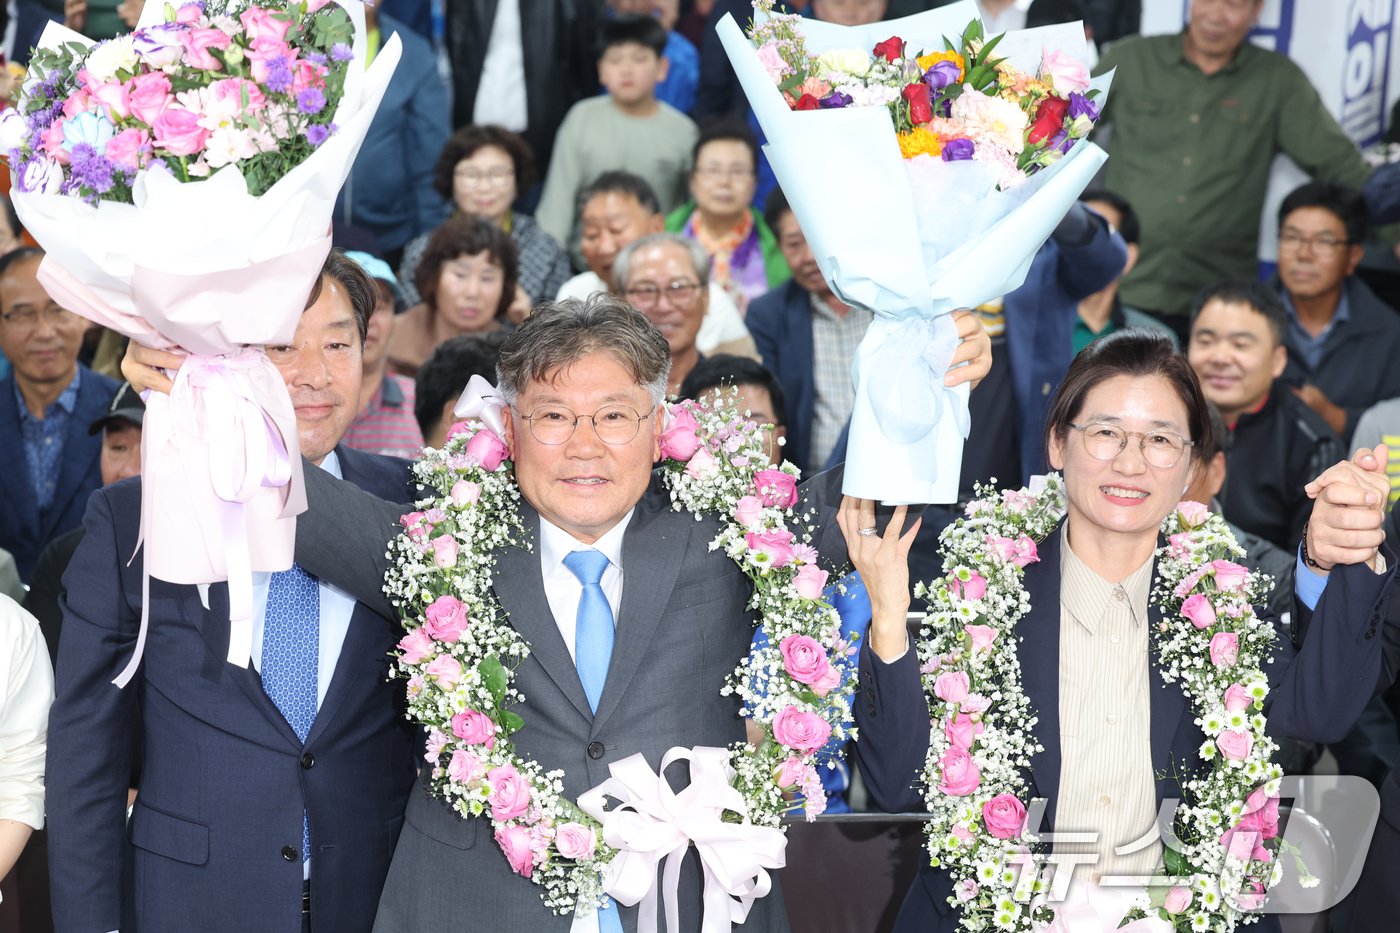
1348 48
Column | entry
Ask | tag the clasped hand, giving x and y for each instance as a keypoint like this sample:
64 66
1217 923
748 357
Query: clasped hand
1349 503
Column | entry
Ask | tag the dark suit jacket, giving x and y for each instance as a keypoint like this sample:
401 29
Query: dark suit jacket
215 838
682 627
24 530
1317 692
781 325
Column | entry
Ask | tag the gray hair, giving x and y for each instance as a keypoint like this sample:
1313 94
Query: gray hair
699 259
560 333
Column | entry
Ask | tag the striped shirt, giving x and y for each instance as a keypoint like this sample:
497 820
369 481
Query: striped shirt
1106 780
834 341
387 425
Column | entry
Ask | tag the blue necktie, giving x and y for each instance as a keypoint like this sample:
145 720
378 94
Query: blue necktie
290 651
593 644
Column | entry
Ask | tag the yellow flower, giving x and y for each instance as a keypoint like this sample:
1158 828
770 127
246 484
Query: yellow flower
928 61
920 142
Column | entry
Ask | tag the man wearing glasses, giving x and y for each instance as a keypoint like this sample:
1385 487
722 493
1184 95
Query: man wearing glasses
667 277
48 460
1342 340
1276 443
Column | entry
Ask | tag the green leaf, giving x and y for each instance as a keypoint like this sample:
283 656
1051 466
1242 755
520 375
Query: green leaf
1176 862
493 676
791 82
511 722
987 49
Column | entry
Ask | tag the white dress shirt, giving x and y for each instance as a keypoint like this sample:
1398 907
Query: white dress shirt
500 97
563 590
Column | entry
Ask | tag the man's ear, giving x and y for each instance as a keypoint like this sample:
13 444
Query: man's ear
508 417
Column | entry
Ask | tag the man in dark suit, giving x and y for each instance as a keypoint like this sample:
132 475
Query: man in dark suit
271 795
48 461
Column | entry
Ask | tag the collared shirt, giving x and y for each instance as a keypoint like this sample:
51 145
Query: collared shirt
1013 17
1106 780
1301 342
387 425
563 590
43 439
500 97
26 692
834 341
722 330
1214 138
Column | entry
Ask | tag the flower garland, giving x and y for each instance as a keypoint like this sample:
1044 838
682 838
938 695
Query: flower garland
1210 641
460 651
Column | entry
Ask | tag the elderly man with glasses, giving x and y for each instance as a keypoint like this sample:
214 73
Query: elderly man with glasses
666 276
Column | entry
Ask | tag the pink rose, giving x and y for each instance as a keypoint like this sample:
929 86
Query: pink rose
444 551
189 13
258 22
1235 745
748 511
178 132
951 687
575 841
447 669
1004 816
1236 698
702 465
416 646
515 843
1062 71
1198 609
801 731
803 658
962 833
1177 900
458 428
76 103
232 90
1192 514
1261 814
1020 552
465 768
982 637
489 450
971 589
474 728
959 772
307 74
198 41
790 772
130 149
1224 649
1229 576
776 488
1252 899
775 544
510 793
1245 844
465 493
114 96
962 731
680 440
447 619
810 581
827 682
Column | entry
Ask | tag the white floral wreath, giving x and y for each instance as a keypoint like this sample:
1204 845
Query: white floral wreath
1226 831
460 653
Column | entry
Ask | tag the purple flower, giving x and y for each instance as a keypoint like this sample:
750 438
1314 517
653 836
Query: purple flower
1081 106
340 52
958 150
317 134
279 74
1061 142
315 58
90 169
941 75
311 100
835 100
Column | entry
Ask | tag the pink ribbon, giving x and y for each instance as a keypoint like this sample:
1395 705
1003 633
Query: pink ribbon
481 400
653 825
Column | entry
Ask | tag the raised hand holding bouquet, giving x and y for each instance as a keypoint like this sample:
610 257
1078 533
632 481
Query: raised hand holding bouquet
181 180
925 172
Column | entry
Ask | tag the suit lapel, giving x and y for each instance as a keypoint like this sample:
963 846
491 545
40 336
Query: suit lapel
350 669
1168 704
79 453
1039 653
214 626
652 553
519 586
14 467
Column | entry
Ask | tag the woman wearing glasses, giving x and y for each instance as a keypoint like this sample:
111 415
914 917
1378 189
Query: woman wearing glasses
481 171
1125 429
721 218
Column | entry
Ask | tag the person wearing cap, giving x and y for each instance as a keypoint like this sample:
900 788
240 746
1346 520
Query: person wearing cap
48 462
386 423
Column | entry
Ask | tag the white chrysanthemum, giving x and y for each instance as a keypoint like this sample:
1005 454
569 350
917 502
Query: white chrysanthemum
109 57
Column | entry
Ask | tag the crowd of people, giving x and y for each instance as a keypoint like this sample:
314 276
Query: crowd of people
540 163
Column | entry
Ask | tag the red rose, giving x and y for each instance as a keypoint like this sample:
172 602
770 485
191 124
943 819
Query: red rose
892 49
920 107
807 102
1049 119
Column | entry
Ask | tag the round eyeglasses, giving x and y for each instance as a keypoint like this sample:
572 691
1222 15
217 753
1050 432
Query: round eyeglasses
553 425
1161 449
647 296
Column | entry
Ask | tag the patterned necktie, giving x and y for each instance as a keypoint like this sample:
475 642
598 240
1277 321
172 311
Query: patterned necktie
593 644
290 653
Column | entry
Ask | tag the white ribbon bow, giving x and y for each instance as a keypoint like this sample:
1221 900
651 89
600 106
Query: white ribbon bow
481 400
653 823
